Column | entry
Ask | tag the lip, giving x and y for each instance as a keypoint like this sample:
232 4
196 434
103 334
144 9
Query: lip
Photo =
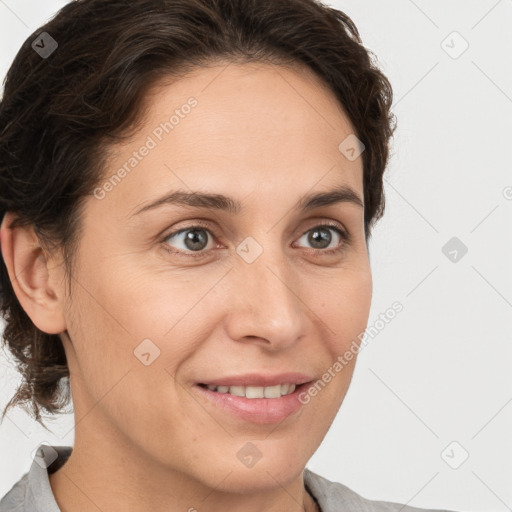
254 410
256 379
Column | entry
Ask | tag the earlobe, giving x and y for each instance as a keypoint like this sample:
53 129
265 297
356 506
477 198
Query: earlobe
31 277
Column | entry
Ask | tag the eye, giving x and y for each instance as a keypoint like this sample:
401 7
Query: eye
320 238
194 239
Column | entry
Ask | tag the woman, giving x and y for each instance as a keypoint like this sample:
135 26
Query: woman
187 192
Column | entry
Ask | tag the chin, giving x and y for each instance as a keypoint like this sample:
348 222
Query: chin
277 464
257 479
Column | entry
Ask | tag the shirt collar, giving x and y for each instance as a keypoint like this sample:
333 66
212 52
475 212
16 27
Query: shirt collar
47 460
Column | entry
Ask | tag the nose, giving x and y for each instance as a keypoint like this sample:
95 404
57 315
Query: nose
267 307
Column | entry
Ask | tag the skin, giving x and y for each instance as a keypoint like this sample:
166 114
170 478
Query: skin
264 135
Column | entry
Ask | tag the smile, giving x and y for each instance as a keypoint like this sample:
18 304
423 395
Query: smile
276 391
254 398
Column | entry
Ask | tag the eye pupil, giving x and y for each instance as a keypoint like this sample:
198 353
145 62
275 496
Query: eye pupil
320 233
195 237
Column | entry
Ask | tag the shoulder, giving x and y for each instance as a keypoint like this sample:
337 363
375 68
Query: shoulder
16 497
333 496
32 492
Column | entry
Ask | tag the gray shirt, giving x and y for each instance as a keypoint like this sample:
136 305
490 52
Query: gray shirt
32 493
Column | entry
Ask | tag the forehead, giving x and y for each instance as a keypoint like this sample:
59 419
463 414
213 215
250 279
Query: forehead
234 128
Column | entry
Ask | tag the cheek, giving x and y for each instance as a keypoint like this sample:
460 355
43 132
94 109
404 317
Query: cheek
344 316
122 360
346 309
108 317
141 322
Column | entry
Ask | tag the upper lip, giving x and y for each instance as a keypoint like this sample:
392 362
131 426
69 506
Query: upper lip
256 379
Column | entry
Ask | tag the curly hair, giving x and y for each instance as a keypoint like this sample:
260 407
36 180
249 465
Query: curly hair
61 112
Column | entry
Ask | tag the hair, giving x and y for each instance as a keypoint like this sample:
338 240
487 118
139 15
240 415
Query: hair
60 114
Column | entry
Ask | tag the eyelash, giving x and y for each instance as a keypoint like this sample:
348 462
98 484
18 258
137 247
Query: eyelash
343 235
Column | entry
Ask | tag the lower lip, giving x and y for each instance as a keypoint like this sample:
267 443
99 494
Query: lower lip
256 410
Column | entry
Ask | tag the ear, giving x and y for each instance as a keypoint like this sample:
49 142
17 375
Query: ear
31 277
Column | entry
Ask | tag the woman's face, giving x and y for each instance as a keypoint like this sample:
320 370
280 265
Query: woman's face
252 291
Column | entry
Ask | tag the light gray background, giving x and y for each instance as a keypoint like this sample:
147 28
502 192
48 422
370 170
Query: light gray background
440 371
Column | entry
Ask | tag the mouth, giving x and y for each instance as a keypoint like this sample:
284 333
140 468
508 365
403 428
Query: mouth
251 392
259 404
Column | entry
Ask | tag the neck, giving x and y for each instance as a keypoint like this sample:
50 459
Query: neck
106 473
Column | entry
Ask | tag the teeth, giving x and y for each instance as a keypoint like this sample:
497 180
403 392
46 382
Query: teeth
255 391
272 391
237 390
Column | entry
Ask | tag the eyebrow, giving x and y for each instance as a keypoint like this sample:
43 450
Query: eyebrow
340 194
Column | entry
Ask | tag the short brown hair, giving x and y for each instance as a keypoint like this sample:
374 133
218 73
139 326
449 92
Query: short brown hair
59 114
